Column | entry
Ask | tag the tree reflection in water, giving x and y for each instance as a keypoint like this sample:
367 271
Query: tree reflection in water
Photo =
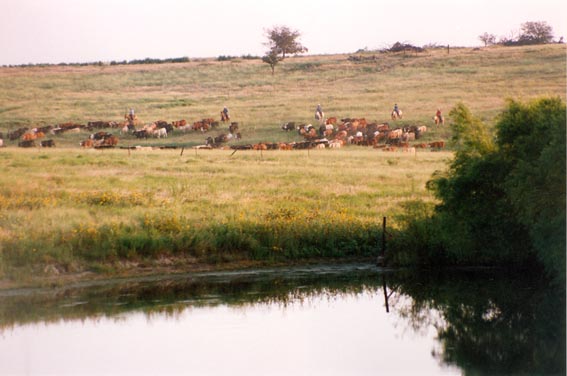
487 322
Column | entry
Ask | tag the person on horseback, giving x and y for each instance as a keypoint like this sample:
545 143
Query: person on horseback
438 114
131 114
396 109
225 116
319 112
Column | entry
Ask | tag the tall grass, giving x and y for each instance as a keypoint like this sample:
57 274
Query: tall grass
83 207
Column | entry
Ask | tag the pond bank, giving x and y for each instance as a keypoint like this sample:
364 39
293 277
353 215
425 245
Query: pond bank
55 277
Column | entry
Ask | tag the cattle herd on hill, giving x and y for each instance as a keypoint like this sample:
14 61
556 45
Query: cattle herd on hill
330 133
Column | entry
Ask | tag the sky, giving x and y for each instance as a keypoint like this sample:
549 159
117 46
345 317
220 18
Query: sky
75 31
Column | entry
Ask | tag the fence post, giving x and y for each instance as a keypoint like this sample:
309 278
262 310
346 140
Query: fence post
381 261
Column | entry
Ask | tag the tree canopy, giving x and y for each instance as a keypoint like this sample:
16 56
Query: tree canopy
283 40
503 197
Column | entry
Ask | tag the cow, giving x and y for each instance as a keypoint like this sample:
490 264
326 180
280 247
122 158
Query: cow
335 144
100 124
87 143
260 146
409 136
29 136
14 135
47 143
437 145
100 135
26 143
216 141
331 121
200 126
107 142
395 133
284 146
160 132
142 133
1 143
233 128
290 126
307 131
179 123
326 130
185 128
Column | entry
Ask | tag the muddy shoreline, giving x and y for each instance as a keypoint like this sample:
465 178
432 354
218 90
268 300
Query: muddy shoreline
43 283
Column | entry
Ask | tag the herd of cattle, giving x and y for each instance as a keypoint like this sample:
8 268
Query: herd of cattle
331 133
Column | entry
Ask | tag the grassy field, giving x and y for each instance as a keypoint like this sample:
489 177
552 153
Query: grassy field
260 102
67 210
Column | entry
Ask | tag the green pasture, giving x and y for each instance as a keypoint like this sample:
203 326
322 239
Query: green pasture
77 209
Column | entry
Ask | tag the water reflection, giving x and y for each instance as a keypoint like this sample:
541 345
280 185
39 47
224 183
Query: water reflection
318 320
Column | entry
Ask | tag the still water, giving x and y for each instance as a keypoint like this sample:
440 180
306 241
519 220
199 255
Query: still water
320 320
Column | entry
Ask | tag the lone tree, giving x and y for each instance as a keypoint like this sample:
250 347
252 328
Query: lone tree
272 58
283 40
487 39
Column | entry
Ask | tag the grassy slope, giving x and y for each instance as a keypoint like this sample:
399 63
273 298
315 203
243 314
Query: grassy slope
420 83
69 206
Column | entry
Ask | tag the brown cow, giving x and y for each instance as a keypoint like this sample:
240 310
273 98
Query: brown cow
180 123
437 145
331 120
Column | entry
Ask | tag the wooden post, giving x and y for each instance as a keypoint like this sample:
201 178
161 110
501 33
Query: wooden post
385 294
182 150
381 261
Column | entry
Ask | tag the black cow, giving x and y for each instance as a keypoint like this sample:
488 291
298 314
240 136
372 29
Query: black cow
47 143
288 126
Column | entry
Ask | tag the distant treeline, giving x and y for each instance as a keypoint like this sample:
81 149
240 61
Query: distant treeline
244 57
147 60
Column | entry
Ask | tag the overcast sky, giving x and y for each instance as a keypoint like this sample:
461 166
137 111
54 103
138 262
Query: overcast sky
54 31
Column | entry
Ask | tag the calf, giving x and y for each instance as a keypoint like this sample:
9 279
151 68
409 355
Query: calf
159 133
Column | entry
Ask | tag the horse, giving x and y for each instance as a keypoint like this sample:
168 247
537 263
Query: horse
439 120
397 115
320 116
224 116
132 119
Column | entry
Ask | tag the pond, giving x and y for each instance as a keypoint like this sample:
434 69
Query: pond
315 320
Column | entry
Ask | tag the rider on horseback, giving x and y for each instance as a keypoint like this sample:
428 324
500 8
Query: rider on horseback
396 109
224 114
319 112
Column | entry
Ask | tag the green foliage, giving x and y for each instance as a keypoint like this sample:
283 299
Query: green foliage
417 242
532 139
470 136
283 40
504 201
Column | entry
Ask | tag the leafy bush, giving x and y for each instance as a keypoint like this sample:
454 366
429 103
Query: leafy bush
503 197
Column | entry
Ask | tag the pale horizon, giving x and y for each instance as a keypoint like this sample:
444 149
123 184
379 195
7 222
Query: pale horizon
83 31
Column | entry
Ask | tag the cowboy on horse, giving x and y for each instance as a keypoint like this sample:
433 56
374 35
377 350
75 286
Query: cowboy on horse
224 114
